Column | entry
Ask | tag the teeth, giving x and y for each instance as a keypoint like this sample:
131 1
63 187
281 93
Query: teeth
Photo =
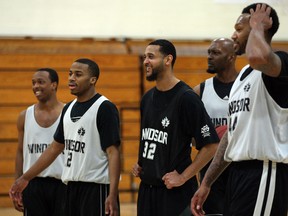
37 92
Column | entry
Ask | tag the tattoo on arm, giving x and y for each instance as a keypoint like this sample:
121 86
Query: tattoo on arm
218 164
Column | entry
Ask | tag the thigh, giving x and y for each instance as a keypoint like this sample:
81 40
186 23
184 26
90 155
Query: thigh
87 199
242 188
44 196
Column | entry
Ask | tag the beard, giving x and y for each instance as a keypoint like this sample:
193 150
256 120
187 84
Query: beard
211 70
154 74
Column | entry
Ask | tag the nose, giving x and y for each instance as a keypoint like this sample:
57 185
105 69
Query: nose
234 36
71 77
145 61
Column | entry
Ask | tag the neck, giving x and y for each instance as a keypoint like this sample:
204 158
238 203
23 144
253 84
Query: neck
166 83
227 76
49 104
87 95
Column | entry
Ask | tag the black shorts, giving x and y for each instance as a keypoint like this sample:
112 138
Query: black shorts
87 199
257 188
158 200
45 197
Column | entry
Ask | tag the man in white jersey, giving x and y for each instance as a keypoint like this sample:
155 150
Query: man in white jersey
36 127
257 140
89 134
214 92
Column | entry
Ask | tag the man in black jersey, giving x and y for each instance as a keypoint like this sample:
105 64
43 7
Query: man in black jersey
214 92
171 115
88 133
256 141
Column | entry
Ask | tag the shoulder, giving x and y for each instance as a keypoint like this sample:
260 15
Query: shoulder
66 106
108 107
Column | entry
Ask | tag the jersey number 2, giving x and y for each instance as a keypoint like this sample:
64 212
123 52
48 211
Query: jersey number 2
149 150
69 159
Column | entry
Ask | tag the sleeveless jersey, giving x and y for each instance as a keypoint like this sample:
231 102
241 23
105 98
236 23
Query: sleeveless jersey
84 158
36 140
258 127
160 142
216 107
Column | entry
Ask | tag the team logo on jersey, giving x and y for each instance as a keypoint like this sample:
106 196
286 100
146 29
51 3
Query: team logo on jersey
165 122
205 131
81 131
247 87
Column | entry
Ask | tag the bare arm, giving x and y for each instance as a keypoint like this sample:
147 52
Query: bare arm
19 154
47 157
217 166
111 205
258 50
173 179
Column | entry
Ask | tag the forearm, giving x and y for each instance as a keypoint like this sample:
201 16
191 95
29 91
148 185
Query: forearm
114 170
202 158
18 164
218 164
47 157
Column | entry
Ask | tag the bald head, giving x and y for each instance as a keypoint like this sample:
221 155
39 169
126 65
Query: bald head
226 44
221 55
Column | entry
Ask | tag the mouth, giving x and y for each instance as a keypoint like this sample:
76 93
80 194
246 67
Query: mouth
72 86
37 93
148 69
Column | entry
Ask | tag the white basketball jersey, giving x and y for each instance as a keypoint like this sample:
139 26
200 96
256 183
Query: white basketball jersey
258 126
216 107
36 140
84 158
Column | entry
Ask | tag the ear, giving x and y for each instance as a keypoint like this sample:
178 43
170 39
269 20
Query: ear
169 59
93 80
54 85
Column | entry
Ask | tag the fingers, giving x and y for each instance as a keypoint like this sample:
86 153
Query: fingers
136 169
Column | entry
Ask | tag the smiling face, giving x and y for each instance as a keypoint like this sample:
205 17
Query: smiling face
80 80
42 86
153 62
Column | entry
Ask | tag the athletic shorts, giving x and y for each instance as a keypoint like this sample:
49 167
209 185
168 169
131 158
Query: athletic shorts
87 199
257 188
214 204
158 200
45 197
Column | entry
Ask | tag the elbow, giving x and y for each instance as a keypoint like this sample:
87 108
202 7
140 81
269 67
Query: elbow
255 61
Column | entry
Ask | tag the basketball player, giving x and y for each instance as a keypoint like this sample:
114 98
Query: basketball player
214 93
171 115
257 140
36 127
89 128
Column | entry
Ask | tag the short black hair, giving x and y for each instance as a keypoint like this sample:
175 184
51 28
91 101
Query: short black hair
53 76
166 48
273 14
92 66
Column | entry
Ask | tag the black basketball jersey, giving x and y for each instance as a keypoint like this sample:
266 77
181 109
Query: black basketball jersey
165 142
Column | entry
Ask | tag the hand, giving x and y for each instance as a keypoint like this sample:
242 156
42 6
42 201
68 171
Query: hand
198 200
260 17
136 170
15 192
173 179
18 206
111 206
